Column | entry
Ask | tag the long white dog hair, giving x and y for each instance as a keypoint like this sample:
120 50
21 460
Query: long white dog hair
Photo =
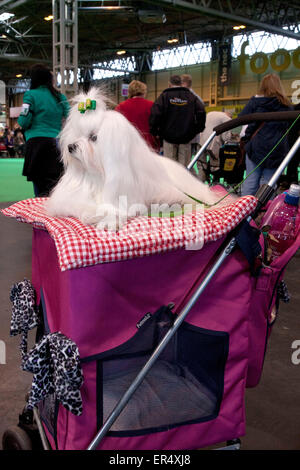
109 169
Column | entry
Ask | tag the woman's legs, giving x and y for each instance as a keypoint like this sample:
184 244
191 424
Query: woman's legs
42 164
256 179
251 185
267 174
11 152
43 186
36 189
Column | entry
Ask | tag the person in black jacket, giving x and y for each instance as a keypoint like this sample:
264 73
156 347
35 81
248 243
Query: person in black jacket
292 169
262 137
176 117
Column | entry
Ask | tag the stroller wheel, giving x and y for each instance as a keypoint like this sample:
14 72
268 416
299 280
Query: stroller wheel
234 444
16 438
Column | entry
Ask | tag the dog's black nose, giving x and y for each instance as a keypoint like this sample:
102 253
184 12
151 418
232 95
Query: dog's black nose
72 148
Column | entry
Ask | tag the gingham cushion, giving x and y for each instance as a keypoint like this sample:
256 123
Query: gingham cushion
80 245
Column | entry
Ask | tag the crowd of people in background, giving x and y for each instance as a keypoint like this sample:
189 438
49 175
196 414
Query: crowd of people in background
178 120
12 143
175 126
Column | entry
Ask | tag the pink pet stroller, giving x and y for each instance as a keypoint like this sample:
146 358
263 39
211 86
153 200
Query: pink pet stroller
147 341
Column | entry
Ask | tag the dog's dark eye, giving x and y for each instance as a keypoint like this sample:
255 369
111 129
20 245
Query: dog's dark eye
93 137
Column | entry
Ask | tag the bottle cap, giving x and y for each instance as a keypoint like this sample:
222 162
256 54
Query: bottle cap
293 195
294 190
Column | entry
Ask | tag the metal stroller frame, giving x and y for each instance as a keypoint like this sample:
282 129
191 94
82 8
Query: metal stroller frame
263 195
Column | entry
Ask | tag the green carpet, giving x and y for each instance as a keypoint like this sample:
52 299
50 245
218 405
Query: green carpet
13 186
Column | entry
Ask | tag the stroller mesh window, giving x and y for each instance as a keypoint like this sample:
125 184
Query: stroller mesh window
184 385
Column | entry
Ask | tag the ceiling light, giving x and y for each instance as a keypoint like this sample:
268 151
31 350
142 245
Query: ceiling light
48 18
19 75
122 52
106 8
6 16
241 26
112 8
172 40
152 16
112 5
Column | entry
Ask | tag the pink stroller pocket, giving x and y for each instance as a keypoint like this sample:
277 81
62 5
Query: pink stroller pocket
263 282
263 311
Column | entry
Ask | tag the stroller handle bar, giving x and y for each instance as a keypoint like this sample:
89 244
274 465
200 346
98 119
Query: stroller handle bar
256 117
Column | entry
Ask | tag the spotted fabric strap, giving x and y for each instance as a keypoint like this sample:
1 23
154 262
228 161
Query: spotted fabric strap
24 312
55 363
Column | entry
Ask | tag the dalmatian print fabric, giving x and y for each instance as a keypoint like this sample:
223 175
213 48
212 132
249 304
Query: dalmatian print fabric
55 363
24 312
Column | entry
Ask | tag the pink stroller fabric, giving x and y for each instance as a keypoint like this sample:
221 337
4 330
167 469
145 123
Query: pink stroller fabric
99 307
194 395
265 303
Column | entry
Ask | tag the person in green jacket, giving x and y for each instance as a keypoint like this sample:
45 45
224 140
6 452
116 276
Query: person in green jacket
41 118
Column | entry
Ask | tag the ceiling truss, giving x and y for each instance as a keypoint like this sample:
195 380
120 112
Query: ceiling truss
266 16
26 38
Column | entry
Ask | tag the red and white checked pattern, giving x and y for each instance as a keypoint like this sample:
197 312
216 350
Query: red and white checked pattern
80 245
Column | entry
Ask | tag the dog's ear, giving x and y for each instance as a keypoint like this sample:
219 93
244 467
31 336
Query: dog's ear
120 140
123 154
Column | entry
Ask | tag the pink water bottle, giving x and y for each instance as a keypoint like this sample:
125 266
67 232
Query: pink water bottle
271 207
285 222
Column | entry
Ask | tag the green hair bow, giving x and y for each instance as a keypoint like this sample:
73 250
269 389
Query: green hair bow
89 104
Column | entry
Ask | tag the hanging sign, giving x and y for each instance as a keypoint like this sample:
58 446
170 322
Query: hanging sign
224 64
124 91
279 60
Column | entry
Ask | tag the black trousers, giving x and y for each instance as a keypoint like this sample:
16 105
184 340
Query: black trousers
42 164
42 187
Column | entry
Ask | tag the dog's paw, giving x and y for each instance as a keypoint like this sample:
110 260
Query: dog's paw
109 223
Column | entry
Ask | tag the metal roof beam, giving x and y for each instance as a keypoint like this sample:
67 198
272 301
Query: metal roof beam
110 69
4 2
13 5
200 7
23 58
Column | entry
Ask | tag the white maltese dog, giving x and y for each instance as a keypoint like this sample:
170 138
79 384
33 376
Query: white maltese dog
111 173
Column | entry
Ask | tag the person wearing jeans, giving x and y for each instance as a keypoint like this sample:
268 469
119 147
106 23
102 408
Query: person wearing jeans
264 138
257 178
